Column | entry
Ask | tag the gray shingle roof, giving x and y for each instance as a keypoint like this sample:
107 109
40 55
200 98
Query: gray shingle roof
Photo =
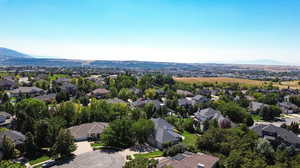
17 137
26 90
164 132
84 130
286 135
208 114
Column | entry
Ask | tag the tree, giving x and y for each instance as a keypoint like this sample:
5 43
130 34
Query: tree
150 93
5 98
125 94
141 163
68 111
32 107
62 96
55 124
30 146
10 164
233 111
84 100
64 144
118 134
265 148
8 147
145 82
150 109
270 112
42 134
141 129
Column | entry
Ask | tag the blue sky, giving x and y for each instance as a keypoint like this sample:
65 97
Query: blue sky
154 30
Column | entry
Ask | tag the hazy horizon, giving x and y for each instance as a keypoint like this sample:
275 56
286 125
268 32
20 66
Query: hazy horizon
192 31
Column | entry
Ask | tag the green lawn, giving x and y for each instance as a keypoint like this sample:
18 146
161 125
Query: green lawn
256 117
97 144
39 160
56 76
189 138
149 155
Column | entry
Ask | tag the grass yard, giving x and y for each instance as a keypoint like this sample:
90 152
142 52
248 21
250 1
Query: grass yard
39 160
149 155
56 76
256 117
189 139
97 144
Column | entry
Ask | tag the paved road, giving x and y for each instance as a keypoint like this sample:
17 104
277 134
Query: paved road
95 159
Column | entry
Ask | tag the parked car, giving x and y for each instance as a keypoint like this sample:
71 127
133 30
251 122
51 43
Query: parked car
49 163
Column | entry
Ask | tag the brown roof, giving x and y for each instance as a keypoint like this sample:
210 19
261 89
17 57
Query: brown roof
190 160
100 91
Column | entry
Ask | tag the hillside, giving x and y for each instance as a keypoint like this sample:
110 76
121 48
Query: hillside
8 53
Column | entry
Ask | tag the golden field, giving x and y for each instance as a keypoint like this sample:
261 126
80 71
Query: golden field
248 82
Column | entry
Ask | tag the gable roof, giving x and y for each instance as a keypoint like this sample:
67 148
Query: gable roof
185 102
100 91
17 137
256 105
47 97
184 92
84 130
199 98
286 135
191 160
208 114
115 100
164 132
26 90
7 83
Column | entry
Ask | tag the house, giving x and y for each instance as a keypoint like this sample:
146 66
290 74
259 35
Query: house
48 98
210 114
142 102
10 78
189 160
5 119
61 81
69 88
186 102
99 93
255 107
17 137
287 107
24 81
7 85
184 93
273 133
163 133
115 101
136 91
200 99
87 131
206 92
26 91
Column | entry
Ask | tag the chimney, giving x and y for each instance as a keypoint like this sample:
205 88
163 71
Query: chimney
199 165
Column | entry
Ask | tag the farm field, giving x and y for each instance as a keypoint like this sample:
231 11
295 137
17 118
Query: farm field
248 82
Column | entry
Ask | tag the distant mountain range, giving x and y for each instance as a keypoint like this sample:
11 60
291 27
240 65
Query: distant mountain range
262 62
6 53
10 57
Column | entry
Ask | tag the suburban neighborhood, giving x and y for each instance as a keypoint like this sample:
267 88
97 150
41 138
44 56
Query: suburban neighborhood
135 120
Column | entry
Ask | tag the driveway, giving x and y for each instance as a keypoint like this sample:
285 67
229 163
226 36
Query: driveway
83 147
287 119
95 159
